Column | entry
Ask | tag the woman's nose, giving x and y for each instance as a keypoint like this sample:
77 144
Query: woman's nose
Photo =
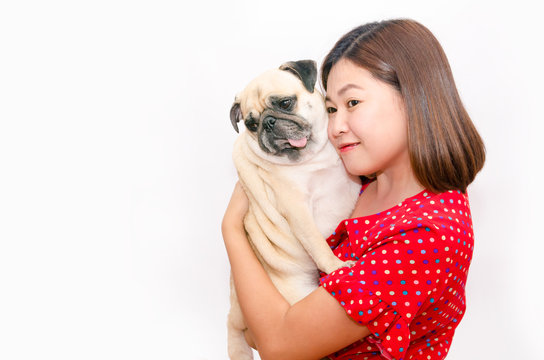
337 124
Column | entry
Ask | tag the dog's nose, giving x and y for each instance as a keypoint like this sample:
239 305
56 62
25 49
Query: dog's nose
269 123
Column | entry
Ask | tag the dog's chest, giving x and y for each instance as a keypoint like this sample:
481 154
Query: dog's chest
327 191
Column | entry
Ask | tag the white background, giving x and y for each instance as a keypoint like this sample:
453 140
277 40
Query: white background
115 166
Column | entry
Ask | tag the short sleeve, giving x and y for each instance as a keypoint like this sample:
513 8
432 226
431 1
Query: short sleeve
389 284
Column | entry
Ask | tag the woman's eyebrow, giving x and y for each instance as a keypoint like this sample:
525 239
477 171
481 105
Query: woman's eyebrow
345 88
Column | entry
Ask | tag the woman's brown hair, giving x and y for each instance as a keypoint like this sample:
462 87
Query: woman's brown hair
446 151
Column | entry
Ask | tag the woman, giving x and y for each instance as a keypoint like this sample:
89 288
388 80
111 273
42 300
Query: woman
396 118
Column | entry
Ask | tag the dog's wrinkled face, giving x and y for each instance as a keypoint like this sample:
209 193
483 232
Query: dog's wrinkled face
282 112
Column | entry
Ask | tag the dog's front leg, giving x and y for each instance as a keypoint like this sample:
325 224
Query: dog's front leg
294 208
307 233
238 348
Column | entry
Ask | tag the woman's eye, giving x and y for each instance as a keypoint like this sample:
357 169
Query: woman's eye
285 104
331 110
352 103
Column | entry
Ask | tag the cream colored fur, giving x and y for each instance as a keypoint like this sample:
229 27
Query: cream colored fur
292 206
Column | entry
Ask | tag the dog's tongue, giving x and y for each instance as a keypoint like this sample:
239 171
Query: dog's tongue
298 143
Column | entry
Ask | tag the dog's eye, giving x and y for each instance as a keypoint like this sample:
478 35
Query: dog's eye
285 104
251 124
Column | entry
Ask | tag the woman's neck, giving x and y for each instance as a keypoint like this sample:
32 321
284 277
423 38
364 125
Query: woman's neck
386 191
396 186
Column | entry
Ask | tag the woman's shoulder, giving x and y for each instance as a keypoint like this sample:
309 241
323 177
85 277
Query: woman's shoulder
428 204
451 205
445 215
442 214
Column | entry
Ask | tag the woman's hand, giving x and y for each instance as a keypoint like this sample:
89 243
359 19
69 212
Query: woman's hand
236 210
279 330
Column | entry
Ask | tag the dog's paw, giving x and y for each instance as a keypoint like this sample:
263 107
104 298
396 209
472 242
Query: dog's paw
238 349
335 264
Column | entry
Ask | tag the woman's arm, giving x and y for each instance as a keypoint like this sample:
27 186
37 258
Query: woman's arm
310 329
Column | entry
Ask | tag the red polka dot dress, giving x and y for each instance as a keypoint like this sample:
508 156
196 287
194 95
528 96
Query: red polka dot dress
408 284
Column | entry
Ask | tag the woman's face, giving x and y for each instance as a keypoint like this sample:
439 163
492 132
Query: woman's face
367 121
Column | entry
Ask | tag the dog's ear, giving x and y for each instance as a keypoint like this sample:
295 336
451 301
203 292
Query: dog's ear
306 70
235 115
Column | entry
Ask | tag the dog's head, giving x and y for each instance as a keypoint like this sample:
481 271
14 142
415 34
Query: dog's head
283 112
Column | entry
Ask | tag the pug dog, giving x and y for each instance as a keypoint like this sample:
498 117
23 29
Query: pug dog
297 186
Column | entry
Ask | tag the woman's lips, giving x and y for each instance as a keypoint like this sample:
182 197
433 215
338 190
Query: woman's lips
347 147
